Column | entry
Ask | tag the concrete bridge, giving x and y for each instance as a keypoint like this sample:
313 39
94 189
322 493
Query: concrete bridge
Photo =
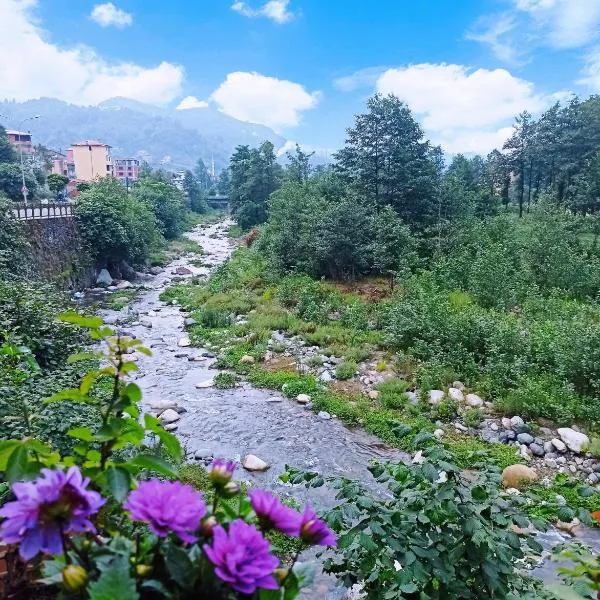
37 211
219 202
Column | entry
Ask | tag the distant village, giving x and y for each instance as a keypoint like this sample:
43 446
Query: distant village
84 161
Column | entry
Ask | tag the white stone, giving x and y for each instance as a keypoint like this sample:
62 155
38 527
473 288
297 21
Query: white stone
171 426
161 405
524 452
373 394
253 463
123 285
506 423
146 323
439 433
474 400
559 445
324 415
302 398
413 398
494 426
169 416
418 458
435 396
104 278
184 342
516 422
575 441
206 384
456 394
459 385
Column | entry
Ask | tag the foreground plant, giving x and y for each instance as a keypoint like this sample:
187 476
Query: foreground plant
98 525
434 533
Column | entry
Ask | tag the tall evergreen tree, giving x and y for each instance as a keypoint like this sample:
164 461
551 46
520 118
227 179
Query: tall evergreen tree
387 160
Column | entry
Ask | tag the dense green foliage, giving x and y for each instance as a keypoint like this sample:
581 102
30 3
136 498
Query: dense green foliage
13 244
115 225
7 152
11 182
56 183
195 192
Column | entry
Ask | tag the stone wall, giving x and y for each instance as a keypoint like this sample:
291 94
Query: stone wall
57 252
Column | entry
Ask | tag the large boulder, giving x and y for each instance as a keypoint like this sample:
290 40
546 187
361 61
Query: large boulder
456 394
515 476
103 278
574 440
169 416
435 396
474 400
127 271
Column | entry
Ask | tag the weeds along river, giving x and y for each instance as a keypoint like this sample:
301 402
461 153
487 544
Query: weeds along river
235 422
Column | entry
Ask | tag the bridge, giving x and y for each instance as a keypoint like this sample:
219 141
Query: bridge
54 210
218 202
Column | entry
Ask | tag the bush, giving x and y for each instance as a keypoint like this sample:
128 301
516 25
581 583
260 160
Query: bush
114 224
224 381
445 410
473 417
434 534
346 370
213 318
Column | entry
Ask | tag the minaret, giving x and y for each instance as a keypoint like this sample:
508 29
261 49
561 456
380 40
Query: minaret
212 167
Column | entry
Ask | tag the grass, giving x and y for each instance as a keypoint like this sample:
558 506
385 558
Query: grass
122 299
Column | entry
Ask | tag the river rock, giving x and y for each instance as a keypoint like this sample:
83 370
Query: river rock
181 271
146 323
155 270
456 394
474 400
537 450
184 342
161 405
439 434
253 463
517 423
205 384
188 322
571 528
325 377
373 395
302 398
506 423
171 426
103 278
574 440
247 360
525 438
324 415
459 385
515 476
435 396
169 416
413 398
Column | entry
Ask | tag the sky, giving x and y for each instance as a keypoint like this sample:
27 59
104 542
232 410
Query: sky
305 67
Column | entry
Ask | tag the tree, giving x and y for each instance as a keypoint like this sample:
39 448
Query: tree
202 174
298 168
14 248
223 184
7 152
194 193
11 182
388 161
520 154
57 183
165 200
255 174
115 225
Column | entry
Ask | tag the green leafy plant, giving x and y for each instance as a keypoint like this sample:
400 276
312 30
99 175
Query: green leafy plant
225 381
346 370
473 417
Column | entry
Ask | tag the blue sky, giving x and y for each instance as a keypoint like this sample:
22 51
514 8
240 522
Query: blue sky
305 67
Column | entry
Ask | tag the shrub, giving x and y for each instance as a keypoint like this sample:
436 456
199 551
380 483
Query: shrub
444 411
224 381
213 318
434 534
346 370
473 417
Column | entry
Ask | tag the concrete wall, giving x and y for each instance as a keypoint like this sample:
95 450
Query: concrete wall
91 162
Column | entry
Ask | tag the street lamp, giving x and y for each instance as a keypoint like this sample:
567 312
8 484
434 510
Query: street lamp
24 188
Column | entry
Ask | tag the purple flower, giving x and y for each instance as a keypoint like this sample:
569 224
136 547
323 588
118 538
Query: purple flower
167 506
56 502
242 558
221 471
272 514
314 530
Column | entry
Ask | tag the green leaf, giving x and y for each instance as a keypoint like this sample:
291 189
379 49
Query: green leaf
565 514
180 567
409 588
153 463
80 320
170 441
81 433
73 395
478 493
17 465
81 356
119 482
133 392
269 594
6 449
305 573
88 381
115 582
156 586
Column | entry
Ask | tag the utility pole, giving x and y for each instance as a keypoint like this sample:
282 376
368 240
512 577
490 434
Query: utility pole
24 188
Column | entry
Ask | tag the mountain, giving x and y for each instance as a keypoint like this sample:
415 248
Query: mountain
161 136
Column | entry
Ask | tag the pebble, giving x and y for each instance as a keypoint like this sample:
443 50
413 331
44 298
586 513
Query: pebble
525 438
324 415
252 462
302 398
184 342
206 384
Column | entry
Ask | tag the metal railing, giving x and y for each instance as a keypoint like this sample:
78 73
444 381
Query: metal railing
55 210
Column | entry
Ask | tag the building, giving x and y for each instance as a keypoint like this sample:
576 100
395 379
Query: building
91 160
62 164
20 141
127 170
177 179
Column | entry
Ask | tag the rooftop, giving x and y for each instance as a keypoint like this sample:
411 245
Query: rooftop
14 132
90 143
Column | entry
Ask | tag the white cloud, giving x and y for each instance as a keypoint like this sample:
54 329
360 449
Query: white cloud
192 102
276 10
269 101
564 23
591 71
495 31
78 74
359 79
462 109
108 14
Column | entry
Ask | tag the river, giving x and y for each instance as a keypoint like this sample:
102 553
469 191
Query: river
239 421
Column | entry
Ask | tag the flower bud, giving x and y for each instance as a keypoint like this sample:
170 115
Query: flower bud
143 571
231 489
74 578
221 471
207 525
280 575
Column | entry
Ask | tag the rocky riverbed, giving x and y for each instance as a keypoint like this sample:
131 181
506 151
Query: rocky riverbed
259 428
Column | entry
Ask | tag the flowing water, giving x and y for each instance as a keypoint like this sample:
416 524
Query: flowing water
235 422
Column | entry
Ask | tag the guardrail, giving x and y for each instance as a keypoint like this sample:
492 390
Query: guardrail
57 210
